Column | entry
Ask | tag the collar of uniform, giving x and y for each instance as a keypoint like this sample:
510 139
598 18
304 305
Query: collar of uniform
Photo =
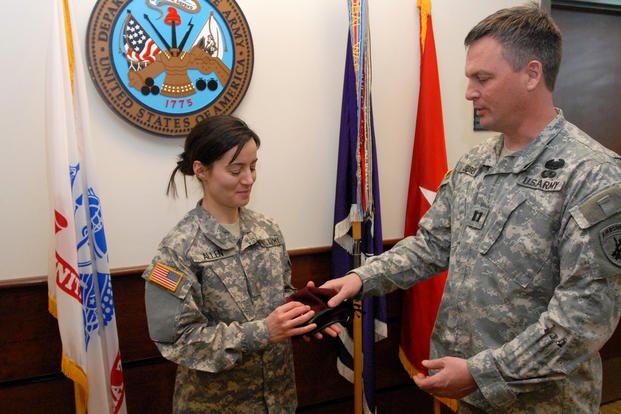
493 152
217 233
480 156
527 155
251 231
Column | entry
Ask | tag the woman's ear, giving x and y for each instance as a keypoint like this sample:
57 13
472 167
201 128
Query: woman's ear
199 169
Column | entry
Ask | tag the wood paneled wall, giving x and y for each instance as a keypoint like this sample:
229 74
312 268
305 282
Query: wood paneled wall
31 382
588 85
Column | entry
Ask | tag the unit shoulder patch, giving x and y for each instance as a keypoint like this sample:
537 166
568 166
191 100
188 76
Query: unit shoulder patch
165 276
610 239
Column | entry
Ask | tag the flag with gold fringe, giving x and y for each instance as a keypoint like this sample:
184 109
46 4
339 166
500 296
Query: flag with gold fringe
357 201
79 284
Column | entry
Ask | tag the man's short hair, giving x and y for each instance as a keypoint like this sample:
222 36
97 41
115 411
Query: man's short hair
526 33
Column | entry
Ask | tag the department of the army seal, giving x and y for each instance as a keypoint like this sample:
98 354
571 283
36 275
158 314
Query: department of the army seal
164 65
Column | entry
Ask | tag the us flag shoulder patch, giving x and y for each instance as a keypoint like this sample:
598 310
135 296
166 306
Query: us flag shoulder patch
166 276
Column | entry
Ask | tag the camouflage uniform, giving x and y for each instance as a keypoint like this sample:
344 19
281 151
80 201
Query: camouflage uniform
532 242
212 323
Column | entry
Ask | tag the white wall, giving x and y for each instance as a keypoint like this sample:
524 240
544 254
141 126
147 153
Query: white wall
293 103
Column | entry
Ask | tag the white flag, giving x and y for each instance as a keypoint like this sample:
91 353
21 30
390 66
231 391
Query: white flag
79 286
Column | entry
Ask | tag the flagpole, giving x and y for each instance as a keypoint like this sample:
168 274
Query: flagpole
356 227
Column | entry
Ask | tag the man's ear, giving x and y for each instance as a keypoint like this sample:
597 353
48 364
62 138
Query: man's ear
534 71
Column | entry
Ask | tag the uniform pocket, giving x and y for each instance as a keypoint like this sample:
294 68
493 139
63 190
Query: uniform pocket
518 240
227 290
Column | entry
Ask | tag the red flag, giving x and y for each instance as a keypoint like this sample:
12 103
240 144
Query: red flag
429 166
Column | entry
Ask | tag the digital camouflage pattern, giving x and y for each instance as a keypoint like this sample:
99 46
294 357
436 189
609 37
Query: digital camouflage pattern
213 323
533 248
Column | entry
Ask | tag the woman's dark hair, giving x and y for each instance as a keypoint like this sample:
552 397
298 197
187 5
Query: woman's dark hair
207 142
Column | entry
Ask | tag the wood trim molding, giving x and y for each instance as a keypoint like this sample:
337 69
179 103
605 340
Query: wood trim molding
23 281
132 270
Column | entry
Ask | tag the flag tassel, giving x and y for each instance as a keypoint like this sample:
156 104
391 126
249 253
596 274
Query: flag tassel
80 382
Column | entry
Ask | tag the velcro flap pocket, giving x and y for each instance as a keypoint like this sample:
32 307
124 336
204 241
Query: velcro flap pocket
162 307
598 207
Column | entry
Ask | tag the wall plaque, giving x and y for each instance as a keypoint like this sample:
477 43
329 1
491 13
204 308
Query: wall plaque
163 65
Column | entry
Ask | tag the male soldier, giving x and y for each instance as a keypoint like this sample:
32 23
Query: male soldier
529 225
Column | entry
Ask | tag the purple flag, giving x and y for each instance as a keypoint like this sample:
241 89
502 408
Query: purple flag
347 197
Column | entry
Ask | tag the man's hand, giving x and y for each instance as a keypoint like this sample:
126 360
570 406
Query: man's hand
452 381
346 286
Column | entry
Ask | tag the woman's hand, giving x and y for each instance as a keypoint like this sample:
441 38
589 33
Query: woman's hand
288 320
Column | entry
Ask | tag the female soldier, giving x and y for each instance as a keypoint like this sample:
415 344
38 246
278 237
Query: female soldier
216 288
